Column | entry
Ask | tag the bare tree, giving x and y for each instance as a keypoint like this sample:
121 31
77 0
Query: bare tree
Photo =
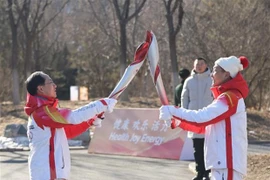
124 12
14 23
124 16
31 15
94 46
224 28
174 7
5 51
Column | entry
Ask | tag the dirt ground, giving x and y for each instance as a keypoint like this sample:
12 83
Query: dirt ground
258 128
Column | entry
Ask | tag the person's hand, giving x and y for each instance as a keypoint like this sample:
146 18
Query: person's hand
97 122
165 113
105 105
110 104
175 123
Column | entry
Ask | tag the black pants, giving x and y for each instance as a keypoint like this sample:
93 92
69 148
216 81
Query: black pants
198 145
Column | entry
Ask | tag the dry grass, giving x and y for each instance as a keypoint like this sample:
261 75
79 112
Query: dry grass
258 167
258 125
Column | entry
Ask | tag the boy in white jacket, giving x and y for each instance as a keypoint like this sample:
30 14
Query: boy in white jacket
224 121
196 94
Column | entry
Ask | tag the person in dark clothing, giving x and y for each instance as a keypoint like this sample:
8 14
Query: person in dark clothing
183 74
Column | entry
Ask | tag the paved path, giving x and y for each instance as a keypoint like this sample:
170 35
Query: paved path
259 147
101 167
13 166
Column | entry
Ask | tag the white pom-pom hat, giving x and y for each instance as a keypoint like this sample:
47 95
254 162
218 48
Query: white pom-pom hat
232 64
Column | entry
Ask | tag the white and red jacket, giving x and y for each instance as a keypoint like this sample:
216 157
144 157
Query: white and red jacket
48 130
224 123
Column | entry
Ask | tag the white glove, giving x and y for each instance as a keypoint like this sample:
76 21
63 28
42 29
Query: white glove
166 113
110 104
97 122
106 105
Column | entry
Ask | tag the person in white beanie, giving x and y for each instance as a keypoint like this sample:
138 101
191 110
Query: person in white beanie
224 121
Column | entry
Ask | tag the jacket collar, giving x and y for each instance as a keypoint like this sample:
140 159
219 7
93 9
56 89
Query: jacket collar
238 83
37 101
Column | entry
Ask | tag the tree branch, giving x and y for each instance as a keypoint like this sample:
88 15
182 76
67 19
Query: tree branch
137 10
62 7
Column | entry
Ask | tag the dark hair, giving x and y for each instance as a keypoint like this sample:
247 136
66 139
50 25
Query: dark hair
33 81
200 58
184 73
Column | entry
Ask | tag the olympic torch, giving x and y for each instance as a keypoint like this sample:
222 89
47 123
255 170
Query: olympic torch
130 72
153 59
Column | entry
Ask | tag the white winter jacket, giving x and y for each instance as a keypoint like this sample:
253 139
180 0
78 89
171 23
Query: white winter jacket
48 130
224 123
196 94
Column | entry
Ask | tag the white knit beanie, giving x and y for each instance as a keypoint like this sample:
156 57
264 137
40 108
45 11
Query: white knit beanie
232 64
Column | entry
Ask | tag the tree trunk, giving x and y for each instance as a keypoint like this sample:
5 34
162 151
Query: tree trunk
37 54
123 57
28 58
173 56
14 56
15 87
172 7
15 75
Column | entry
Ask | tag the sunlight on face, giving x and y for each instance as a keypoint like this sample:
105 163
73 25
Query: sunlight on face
49 88
200 66
219 76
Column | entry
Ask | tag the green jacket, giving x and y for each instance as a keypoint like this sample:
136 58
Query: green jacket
177 94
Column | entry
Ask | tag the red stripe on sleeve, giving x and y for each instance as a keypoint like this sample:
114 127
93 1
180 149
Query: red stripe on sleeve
230 98
185 125
76 129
